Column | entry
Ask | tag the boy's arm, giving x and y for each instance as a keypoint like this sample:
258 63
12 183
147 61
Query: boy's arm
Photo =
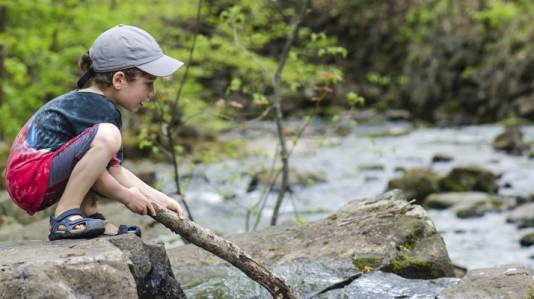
131 197
130 180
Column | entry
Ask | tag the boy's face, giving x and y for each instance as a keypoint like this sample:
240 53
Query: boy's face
133 94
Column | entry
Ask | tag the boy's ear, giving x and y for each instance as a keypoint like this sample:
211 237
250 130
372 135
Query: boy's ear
118 80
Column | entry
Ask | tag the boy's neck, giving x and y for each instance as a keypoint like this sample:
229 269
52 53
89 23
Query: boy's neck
97 90
92 89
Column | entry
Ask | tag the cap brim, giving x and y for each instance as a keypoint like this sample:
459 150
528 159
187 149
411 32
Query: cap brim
161 67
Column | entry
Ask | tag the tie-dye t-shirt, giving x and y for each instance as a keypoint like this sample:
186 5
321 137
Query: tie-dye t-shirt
52 126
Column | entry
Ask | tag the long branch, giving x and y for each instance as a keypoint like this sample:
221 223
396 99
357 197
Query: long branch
226 250
278 115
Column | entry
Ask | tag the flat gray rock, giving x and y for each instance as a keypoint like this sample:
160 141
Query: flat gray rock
385 231
118 267
510 281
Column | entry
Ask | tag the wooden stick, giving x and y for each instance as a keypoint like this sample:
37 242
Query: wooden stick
226 250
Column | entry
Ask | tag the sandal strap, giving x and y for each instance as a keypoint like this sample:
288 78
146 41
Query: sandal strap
68 213
97 216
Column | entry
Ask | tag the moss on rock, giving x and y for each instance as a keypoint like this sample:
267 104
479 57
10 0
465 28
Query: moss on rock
367 264
411 267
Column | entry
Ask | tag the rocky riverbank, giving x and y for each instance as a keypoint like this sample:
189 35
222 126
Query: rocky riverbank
384 233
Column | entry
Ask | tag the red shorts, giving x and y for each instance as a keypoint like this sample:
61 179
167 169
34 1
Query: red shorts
36 179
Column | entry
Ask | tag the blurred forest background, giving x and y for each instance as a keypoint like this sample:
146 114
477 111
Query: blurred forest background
442 62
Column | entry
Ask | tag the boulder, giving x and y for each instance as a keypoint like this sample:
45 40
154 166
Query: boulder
469 178
441 158
522 216
385 232
506 281
510 141
296 178
417 183
527 240
469 204
114 267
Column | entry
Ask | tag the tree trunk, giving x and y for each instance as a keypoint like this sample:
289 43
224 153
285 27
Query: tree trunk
284 157
226 250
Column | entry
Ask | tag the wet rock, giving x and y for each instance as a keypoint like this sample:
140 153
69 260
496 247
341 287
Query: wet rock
506 281
384 231
510 141
527 240
469 178
117 267
417 183
441 158
371 167
469 204
522 216
398 115
296 178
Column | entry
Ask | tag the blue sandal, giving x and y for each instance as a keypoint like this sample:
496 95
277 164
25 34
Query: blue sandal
122 229
64 228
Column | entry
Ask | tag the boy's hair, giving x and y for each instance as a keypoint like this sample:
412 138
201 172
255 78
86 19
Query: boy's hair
105 78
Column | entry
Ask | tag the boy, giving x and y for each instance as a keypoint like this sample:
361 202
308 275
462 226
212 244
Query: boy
70 148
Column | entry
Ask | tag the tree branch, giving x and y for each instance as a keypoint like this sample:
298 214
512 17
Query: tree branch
226 250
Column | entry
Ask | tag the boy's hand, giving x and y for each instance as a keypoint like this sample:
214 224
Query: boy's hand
139 203
174 206
166 202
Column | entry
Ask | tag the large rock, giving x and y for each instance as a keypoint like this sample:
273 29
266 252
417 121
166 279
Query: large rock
417 183
469 178
118 267
383 231
510 141
522 216
469 204
507 281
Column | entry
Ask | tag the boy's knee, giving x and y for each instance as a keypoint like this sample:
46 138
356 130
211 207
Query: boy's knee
108 136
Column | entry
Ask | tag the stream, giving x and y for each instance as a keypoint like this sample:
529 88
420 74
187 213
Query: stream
356 166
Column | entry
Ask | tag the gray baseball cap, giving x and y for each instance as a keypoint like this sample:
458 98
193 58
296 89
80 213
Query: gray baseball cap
123 47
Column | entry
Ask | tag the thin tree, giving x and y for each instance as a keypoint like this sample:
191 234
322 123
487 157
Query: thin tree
278 109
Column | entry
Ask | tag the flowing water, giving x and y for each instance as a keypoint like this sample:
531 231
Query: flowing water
359 165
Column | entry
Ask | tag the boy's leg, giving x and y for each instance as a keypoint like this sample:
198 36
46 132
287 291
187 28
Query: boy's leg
89 207
105 144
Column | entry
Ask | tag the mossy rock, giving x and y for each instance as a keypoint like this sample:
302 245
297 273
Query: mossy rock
417 183
510 141
469 178
527 240
367 264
